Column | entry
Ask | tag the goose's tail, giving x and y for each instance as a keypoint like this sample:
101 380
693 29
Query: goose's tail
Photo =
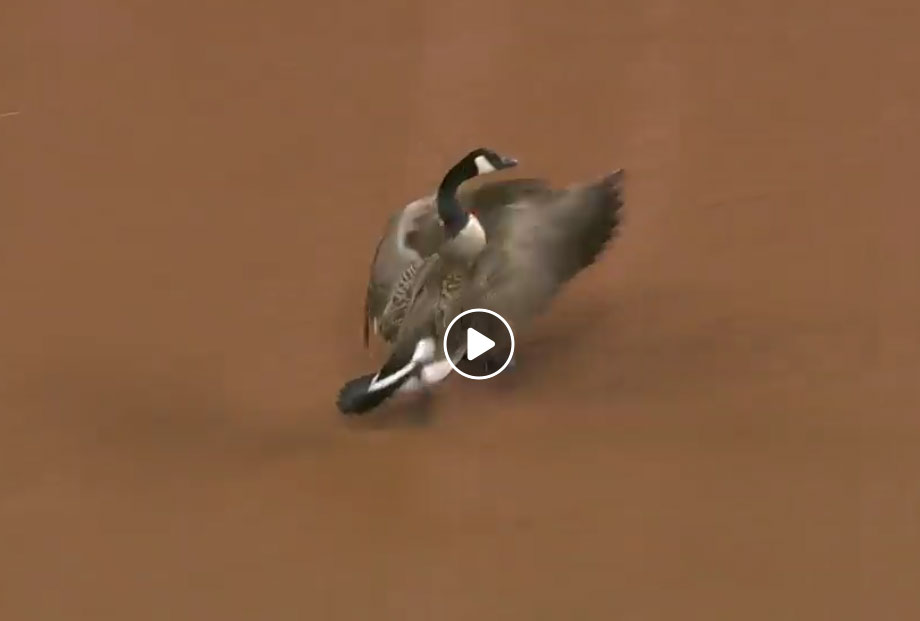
400 374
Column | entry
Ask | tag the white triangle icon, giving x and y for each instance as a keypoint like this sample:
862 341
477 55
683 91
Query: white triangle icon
477 344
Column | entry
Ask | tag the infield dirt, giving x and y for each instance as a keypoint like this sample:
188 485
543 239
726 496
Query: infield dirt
720 420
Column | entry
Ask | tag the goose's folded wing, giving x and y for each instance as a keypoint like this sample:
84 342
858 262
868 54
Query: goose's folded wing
540 245
410 235
375 296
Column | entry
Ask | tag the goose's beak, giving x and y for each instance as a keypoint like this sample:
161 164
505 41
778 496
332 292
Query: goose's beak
508 162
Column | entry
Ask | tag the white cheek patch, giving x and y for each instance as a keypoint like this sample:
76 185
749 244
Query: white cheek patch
483 165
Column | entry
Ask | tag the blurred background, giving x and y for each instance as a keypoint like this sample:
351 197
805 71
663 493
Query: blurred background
720 420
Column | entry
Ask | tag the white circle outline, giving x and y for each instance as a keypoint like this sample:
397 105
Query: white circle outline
451 325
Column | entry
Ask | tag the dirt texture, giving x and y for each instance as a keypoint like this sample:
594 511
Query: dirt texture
720 420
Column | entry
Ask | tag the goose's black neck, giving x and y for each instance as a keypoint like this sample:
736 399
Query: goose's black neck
450 211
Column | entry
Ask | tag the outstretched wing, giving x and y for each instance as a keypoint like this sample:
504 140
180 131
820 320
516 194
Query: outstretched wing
541 244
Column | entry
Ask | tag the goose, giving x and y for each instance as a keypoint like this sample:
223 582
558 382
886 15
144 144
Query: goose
416 232
535 245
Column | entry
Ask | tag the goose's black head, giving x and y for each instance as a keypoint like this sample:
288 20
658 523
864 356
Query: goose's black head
485 161
477 162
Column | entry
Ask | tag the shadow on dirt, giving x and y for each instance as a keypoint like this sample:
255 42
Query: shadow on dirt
160 415
638 342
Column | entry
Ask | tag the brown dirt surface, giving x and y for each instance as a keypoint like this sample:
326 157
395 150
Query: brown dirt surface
720 420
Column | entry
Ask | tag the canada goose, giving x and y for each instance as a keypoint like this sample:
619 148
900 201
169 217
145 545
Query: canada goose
536 245
416 232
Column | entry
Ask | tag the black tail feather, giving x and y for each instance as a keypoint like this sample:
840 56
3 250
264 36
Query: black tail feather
355 398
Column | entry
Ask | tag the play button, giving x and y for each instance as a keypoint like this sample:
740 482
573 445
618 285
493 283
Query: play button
479 344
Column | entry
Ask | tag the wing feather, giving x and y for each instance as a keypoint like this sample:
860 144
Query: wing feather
541 244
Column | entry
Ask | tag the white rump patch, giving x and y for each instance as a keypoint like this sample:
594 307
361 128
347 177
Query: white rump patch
379 383
435 372
424 353
431 373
